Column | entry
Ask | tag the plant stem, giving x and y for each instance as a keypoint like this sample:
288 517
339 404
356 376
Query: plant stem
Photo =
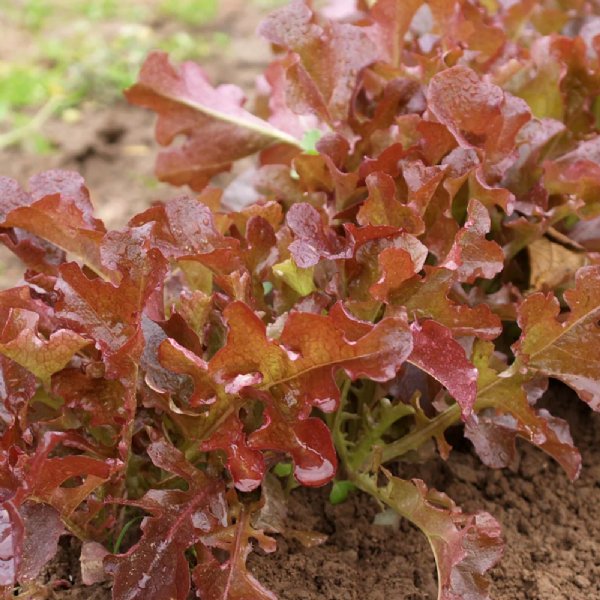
416 439
338 436
124 530
437 425
363 449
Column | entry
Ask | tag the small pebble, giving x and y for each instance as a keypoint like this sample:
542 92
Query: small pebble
581 581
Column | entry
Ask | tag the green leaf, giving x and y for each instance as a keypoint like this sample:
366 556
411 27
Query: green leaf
340 490
283 469
309 141
299 279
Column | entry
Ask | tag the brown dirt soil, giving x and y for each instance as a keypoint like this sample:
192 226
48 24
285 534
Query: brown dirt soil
552 529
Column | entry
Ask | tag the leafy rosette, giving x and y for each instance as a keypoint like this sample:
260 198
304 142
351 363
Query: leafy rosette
416 250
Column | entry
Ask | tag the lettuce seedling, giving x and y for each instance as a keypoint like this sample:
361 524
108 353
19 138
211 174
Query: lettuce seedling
391 273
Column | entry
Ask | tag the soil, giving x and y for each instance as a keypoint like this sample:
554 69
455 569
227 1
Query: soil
552 529
552 526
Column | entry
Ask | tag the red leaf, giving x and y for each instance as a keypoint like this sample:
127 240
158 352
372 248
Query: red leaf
465 545
395 266
472 255
298 373
156 566
129 253
97 399
479 114
43 529
55 471
185 228
314 240
422 181
510 414
324 59
468 26
106 313
43 358
576 172
57 209
176 358
280 114
308 442
218 130
439 354
29 543
392 20
383 208
340 274
21 297
247 351
247 466
494 437
428 298
377 354
231 580
563 349
17 387
36 253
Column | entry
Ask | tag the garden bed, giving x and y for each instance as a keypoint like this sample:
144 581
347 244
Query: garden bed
552 530
551 525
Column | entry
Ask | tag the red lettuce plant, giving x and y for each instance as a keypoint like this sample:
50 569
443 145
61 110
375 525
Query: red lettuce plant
416 250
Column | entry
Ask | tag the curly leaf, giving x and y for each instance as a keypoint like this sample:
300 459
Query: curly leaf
506 412
439 354
392 21
218 130
156 566
479 114
472 255
314 240
56 209
429 297
307 441
231 580
325 59
382 206
289 376
565 349
465 545
246 465
43 358
107 313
